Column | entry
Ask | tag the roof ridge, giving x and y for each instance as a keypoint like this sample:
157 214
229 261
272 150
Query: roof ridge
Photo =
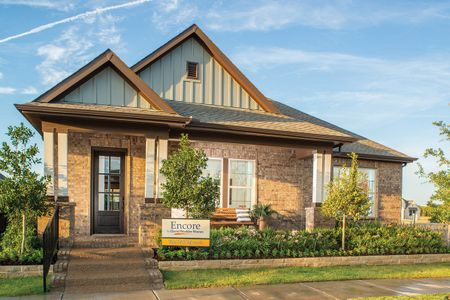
217 54
108 57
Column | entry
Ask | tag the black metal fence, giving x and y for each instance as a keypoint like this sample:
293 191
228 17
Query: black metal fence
50 244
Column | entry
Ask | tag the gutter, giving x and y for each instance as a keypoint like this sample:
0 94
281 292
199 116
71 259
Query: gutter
119 116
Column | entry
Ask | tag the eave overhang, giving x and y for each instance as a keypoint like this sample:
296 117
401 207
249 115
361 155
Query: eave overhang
34 114
387 158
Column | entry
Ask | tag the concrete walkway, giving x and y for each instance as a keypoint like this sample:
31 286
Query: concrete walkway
310 290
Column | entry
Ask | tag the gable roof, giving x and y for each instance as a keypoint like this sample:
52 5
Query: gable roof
107 58
217 54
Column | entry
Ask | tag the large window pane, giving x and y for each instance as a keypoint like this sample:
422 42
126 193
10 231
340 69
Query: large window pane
241 174
214 169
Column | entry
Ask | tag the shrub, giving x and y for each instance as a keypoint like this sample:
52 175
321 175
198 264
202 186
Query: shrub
365 239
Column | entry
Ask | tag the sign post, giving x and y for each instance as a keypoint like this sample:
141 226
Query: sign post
186 232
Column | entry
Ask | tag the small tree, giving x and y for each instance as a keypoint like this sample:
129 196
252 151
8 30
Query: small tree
22 191
185 186
439 202
347 196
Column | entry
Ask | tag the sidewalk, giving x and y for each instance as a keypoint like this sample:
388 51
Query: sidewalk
308 290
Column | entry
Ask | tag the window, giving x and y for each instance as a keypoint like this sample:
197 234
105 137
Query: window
241 178
192 70
412 212
371 184
214 169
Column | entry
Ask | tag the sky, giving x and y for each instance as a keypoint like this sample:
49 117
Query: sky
378 68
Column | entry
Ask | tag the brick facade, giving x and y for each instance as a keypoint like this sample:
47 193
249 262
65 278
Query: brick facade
79 176
283 179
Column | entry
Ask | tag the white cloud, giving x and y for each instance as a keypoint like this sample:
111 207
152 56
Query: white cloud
31 90
174 14
352 85
7 90
57 5
75 47
66 54
83 16
268 15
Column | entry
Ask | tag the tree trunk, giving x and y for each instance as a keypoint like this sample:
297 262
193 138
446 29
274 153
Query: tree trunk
22 246
343 232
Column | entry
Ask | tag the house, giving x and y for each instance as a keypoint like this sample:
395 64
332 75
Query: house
410 210
107 128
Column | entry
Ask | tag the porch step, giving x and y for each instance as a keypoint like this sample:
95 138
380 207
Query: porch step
111 270
106 241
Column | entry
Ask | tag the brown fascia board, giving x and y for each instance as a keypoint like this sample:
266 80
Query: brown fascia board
28 110
398 159
208 127
195 31
93 67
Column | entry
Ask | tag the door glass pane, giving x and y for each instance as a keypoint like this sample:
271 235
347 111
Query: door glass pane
115 164
103 200
114 183
109 183
103 164
115 199
103 183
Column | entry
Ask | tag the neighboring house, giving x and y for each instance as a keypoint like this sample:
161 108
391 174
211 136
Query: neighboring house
107 127
410 210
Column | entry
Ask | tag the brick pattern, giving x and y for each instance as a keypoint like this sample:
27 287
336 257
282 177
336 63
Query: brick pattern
304 262
66 223
284 179
150 215
79 173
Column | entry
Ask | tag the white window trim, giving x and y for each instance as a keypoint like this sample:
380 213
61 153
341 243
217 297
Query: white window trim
253 199
221 179
375 188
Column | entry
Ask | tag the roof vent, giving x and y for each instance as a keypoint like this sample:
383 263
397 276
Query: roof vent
192 70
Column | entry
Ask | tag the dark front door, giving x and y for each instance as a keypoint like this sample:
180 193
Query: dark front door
108 192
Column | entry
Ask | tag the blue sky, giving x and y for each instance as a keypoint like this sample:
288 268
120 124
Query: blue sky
378 68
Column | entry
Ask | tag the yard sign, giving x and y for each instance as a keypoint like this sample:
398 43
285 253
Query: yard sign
185 232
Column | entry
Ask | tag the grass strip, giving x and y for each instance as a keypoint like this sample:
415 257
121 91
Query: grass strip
225 277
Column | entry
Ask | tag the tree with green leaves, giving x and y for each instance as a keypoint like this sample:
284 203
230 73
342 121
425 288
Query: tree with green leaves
185 185
22 191
347 196
439 202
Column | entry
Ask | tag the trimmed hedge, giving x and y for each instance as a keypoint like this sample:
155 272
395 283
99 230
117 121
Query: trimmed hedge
364 239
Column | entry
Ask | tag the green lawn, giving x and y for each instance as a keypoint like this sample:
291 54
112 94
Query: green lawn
416 297
20 286
225 277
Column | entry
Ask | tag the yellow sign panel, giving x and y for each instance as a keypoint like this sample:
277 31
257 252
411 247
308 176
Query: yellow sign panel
185 242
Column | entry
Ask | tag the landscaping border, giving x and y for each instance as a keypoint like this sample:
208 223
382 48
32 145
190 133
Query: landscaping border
21 271
303 262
